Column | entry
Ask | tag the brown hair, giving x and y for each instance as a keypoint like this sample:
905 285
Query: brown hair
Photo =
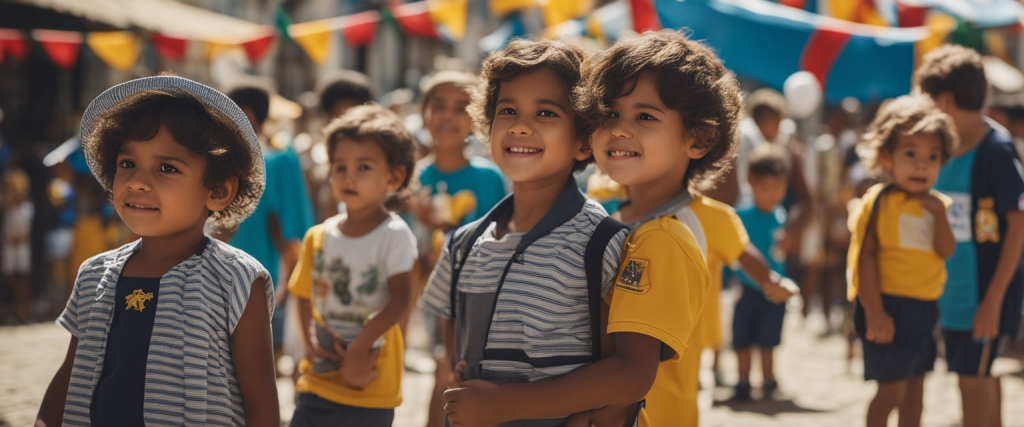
766 101
906 115
202 129
690 79
460 79
522 56
769 160
372 122
954 69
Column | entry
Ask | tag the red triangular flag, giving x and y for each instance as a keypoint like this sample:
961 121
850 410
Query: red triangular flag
170 47
12 45
256 49
414 20
644 17
360 28
61 46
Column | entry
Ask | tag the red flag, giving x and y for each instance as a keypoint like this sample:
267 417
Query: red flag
414 19
256 49
360 28
170 47
822 50
60 46
12 45
644 17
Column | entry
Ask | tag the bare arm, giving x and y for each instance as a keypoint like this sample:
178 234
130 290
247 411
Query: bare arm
986 321
51 412
945 243
756 267
253 356
880 328
399 300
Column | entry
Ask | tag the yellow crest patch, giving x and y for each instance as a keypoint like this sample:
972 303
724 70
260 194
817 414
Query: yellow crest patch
633 277
986 223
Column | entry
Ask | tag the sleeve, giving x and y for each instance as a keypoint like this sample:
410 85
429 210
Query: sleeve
660 289
612 259
69 317
296 210
300 283
733 236
1010 179
249 271
436 297
400 249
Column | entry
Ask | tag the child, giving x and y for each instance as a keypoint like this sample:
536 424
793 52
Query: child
353 278
525 310
982 300
900 240
664 98
757 320
16 251
173 328
341 90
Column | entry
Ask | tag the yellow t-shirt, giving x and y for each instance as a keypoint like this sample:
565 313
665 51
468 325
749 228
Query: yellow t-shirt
907 263
385 391
659 292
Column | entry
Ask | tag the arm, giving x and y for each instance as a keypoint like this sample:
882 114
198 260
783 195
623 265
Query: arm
945 243
359 359
986 320
623 378
253 357
754 264
880 328
51 412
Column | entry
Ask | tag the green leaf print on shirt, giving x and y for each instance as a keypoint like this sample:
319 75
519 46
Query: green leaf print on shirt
369 285
339 274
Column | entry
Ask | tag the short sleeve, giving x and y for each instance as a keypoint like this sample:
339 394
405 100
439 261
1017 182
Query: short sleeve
732 236
612 259
400 249
1010 180
248 276
69 317
300 283
295 210
436 298
661 286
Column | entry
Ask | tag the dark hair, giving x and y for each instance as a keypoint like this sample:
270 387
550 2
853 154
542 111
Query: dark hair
769 160
907 115
522 56
766 101
690 79
954 69
254 97
344 85
460 79
202 129
372 122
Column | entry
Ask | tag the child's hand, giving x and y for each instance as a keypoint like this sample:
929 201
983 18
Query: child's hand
456 378
986 320
608 416
472 404
359 367
316 352
932 204
880 328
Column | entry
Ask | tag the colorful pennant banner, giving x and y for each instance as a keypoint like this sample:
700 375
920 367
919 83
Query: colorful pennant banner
60 46
12 45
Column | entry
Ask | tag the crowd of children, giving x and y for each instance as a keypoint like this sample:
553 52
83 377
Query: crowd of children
550 309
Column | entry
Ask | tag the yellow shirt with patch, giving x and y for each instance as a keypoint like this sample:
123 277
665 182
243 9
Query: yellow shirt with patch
659 292
385 391
907 263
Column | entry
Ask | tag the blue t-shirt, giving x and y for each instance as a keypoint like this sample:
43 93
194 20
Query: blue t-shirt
285 197
984 183
761 228
481 178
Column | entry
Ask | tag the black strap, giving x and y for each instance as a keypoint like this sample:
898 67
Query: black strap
593 260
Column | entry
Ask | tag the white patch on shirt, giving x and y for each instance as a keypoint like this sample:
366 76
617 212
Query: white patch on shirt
917 232
959 214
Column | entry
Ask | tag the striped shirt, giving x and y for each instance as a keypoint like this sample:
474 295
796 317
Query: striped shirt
190 376
542 308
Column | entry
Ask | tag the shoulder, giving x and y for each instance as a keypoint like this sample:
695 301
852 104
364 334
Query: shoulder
95 266
396 226
665 233
234 264
705 206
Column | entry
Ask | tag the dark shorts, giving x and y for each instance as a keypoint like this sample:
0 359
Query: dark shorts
756 322
912 352
313 411
277 326
965 356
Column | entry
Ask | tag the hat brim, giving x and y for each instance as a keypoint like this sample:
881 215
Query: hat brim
209 96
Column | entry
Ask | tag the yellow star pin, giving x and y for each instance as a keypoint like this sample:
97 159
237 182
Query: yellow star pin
137 300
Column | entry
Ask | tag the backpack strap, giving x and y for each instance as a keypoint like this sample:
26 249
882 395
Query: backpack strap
593 260
460 244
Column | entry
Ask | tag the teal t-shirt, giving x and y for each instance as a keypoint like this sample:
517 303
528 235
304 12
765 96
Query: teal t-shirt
481 178
761 228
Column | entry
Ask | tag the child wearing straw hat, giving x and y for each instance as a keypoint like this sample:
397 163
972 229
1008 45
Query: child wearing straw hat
173 328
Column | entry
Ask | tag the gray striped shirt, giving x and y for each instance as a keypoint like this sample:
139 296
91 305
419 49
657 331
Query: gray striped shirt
190 376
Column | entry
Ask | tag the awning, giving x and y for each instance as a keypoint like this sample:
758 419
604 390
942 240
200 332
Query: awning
163 16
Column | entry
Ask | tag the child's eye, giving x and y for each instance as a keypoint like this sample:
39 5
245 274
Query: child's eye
363 168
645 117
933 157
910 154
546 113
126 164
339 169
506 111
168 169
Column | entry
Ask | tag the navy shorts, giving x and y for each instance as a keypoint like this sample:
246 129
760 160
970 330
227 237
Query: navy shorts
912 352
314 411
756 321
965 356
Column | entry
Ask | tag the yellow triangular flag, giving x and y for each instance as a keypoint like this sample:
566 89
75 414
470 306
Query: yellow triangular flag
118 49
215 48
939 26
313 37
559 11
451 14
505 7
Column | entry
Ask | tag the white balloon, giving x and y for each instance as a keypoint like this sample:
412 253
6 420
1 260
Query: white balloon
803 94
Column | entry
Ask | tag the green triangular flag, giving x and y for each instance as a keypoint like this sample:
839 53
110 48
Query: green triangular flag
281 22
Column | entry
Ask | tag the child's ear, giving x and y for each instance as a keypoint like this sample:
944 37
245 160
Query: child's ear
223 195
884 159
585 151
397 177
694 149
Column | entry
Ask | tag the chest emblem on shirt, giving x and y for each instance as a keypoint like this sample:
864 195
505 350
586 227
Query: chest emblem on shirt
631 278
137 300
986 223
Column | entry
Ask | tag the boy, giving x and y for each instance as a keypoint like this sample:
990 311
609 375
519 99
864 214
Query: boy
981 304
340 91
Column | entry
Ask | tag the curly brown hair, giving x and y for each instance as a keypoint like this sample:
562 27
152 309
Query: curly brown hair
690 79
373 122
764 101
203 130
906 115
769 160
954 69
522 56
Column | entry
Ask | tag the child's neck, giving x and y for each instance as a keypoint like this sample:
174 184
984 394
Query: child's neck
972 128
158 255
644 199
450 160
360 222
531 202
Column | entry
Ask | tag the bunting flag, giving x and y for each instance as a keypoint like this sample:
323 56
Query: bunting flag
505 7
939 26
12 45
314 38
118 49
450 15
360 29
282 22
215 47
979 13
61 46
257 48
414 19
172 48
644 16
559 11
